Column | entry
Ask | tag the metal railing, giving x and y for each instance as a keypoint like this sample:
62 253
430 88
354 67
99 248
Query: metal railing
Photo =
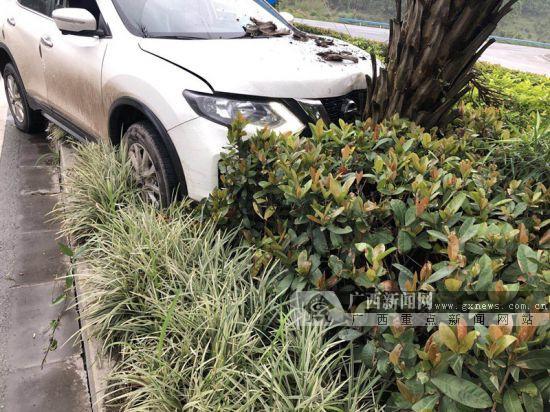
508 40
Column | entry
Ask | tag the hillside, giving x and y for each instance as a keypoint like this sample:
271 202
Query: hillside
529 20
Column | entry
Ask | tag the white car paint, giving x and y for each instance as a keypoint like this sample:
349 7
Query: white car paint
82 77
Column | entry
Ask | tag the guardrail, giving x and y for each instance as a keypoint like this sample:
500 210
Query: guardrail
508 40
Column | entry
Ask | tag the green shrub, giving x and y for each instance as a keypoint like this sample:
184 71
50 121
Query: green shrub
524 94
518 154
174 301
394 207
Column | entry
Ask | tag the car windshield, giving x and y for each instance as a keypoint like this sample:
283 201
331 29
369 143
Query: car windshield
195 19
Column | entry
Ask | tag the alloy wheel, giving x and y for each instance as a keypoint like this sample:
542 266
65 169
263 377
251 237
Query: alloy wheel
15 100
145 173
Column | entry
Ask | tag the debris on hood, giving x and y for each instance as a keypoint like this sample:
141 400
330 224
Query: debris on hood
301 36
337 56
324 42
264 28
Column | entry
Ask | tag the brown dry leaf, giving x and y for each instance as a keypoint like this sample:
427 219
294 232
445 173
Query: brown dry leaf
395 354
495 332
421 205
453 247
523 237
461 330
426 271
337 56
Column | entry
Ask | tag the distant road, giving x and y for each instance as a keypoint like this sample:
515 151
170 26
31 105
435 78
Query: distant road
527 59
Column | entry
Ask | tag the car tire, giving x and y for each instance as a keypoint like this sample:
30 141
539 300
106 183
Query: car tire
26 119
151 164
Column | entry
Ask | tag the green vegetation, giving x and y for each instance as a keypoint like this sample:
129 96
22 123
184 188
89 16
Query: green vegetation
191 326
191 301
527 21
393 207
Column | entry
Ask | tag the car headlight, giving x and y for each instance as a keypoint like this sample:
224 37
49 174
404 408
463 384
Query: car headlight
259 114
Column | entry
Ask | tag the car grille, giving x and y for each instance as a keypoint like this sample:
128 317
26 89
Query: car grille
335 106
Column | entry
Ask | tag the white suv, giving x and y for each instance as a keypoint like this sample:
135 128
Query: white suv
168 76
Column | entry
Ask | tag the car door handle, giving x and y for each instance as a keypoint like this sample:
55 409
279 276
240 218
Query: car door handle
11 21
46 41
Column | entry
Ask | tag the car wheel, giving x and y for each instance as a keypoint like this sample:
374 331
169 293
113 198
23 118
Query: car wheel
151 165
26 119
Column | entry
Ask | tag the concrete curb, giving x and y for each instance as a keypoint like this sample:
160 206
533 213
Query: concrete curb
97 367
3 113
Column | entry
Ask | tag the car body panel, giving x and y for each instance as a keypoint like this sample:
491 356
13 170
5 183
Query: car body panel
199 143
84 78
24 44
268 67
75 89
155 83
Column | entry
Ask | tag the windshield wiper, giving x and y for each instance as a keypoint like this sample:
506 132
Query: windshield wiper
143 30
174 36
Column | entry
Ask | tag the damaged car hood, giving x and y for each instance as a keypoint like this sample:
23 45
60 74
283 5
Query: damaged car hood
271 67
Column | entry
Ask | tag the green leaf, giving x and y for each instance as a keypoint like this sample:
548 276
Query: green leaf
527 387
368 354
511 401
59 299
537 360
502 343
533 403
66 250
335 265
404 242
438 235
462 391
383 237
426 404
448 337
455 204
340 230
349 334
485 277
410 216
403 269
166 322
440 274
319 241
398 208
527 260
285 283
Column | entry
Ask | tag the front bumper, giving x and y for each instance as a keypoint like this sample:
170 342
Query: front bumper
199 143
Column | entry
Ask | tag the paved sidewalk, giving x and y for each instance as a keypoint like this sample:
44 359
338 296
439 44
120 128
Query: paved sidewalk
527 59
29 263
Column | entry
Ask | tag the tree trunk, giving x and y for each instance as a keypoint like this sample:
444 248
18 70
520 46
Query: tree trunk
433 47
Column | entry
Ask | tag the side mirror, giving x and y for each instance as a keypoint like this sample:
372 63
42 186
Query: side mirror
72 20
287 16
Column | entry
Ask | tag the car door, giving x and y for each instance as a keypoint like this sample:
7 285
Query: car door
25 20
72 67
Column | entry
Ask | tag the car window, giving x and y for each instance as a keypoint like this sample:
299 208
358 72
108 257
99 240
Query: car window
205 19
41 6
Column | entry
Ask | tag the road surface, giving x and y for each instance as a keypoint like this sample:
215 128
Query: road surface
527 59
29 263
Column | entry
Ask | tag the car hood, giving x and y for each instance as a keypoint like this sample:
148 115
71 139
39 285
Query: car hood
269 67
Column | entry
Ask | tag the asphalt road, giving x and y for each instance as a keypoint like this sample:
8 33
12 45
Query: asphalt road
527 59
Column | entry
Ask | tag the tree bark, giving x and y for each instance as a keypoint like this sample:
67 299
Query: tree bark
433 47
